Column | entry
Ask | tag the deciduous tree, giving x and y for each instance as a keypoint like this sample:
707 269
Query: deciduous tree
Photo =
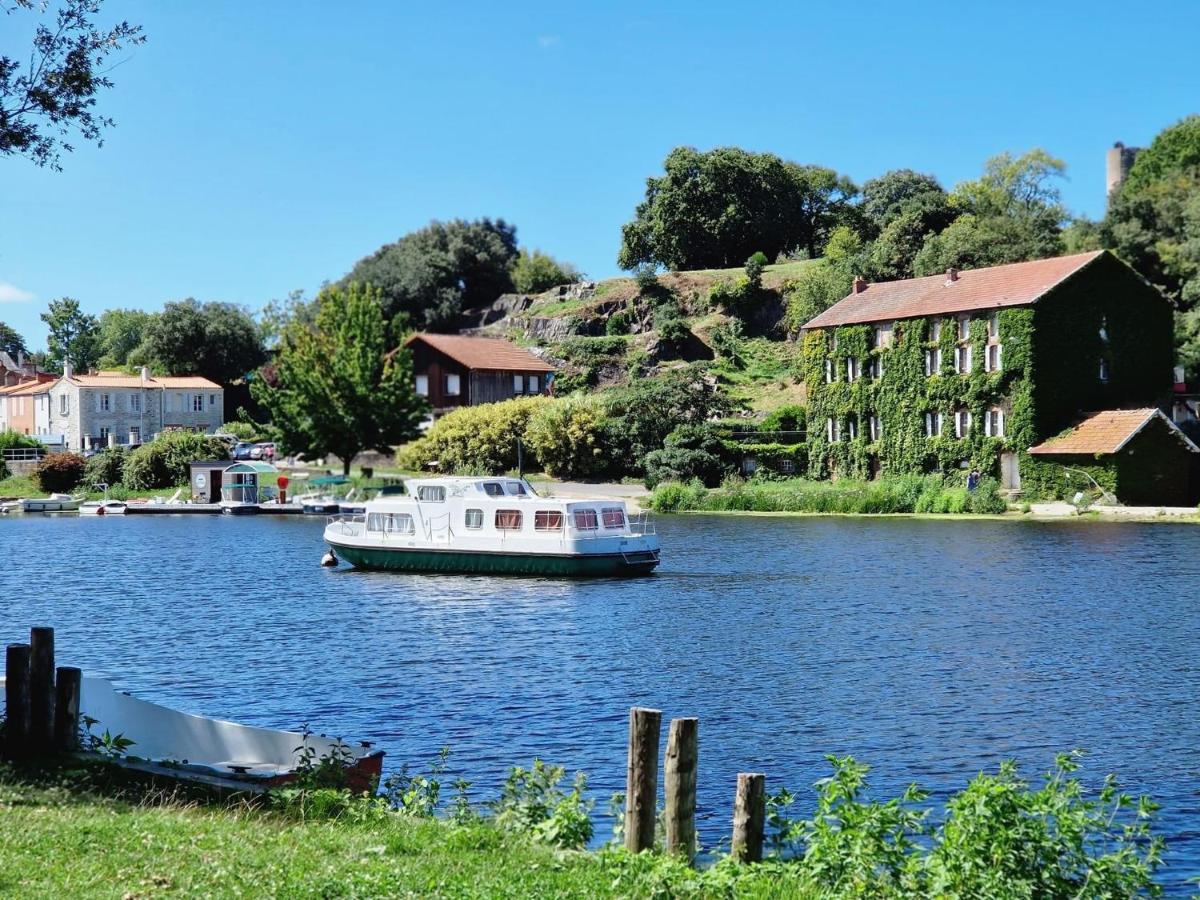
535 271
714 209
49 92
74 335
121 331
334 387
11 342
432 275
217 340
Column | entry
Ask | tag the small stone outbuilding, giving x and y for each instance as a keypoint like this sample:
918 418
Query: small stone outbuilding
1139 455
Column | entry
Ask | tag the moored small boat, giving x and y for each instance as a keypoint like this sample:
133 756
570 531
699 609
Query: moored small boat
493 526
53 503
103 508
212 751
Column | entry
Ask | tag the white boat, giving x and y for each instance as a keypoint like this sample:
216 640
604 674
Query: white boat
352 504
53 503
103 508
494 526
196 748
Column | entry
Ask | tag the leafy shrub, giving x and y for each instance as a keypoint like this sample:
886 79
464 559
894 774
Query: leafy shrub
14 440
620 322
672 328
164 461
646 411
531 802
106 467
726 341
689 452
593 349
535 272
786 418
754 270
675 496
646 277
480 439
417 795
60 472
243 431
568 437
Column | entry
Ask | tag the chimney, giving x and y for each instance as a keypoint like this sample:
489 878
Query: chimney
68 369
951 275
860 284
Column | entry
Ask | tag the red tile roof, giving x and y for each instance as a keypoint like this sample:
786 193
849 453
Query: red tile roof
1105 432
121 380
484 353
1016 284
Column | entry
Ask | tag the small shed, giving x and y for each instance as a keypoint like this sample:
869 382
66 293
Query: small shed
249 483
1138 454
204 476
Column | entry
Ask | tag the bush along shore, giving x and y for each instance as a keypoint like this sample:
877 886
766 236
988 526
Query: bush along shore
931 494
88 829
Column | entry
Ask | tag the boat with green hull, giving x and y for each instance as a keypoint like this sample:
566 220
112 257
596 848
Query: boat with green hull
493 526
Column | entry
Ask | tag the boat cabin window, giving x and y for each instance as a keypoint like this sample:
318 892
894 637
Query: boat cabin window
508 519
547 520
493 488
614 517
515 488
473 518
391 523
432 493
586 520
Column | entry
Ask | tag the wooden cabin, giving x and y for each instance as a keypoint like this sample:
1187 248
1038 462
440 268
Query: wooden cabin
452 370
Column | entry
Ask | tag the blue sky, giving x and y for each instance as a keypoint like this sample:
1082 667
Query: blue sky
266 146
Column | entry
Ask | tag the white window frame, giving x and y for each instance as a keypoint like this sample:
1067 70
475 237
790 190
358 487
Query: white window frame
518 384
197 403
833 430
473 518
591 519
609 518
829 370
533 383
964 328
135 434
962 359
852 427
993 422
540 519
962 423
64 405
933 424
990 364
852 369
993 327
135 403
873 427
104 402
431 493
453 385
212 400
935 330
422 385
105 431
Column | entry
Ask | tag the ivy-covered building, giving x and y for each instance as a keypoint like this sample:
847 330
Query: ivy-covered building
972 368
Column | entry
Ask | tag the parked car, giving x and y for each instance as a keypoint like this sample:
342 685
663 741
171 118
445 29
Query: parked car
243 449
268 451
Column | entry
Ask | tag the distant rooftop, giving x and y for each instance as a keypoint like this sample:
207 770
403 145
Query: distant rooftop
1107 432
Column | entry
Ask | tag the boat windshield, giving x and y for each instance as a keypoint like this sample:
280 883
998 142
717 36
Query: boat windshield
515 488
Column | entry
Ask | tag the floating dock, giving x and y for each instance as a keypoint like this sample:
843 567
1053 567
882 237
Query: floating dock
211 509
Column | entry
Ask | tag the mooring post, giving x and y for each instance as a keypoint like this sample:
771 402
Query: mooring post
749 816
66 709
41 689
16 699
641 785
679 785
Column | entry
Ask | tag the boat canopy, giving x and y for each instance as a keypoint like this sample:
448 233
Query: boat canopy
249 482
243 468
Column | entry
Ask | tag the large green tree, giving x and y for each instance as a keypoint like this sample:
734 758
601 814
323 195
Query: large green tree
48 92
74 335
217 340
893 192
11 342
715 209
121 331
334 387
433 274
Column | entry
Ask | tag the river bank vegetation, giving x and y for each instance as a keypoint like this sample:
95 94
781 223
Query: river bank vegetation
92 830
899 494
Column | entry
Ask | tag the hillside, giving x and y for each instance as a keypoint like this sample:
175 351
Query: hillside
606 333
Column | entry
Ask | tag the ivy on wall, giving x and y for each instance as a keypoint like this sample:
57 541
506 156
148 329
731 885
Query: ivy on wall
1049 372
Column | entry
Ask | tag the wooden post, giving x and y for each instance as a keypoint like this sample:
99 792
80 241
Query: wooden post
749 816
41 689
641 785
679 784
16 700
66 709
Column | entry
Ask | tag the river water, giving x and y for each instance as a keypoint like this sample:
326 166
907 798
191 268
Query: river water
929 649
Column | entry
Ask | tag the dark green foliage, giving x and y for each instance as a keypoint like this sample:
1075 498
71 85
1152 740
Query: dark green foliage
106 467
535 272
645 412
671 326
121 333
619 323
714 209
646 278
54 95
819 287
163 462
726 342
339 386
689 452
433 274
894 192
11 342
754 269
59 472
1174 150
219 341
74 335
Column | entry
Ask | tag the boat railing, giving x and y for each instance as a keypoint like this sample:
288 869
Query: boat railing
349 525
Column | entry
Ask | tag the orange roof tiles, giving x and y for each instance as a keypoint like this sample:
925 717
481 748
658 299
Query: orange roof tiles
484 353
182 382
1104 433
1015 284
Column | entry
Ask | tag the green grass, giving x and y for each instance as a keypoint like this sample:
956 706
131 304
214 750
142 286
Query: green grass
56 842
19 486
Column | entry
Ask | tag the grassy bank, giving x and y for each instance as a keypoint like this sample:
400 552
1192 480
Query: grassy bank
902 494
91 831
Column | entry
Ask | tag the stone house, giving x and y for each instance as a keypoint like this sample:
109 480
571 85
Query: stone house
107 408
970 369
453 370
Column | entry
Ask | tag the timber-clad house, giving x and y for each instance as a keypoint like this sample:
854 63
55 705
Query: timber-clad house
454 370
970 369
